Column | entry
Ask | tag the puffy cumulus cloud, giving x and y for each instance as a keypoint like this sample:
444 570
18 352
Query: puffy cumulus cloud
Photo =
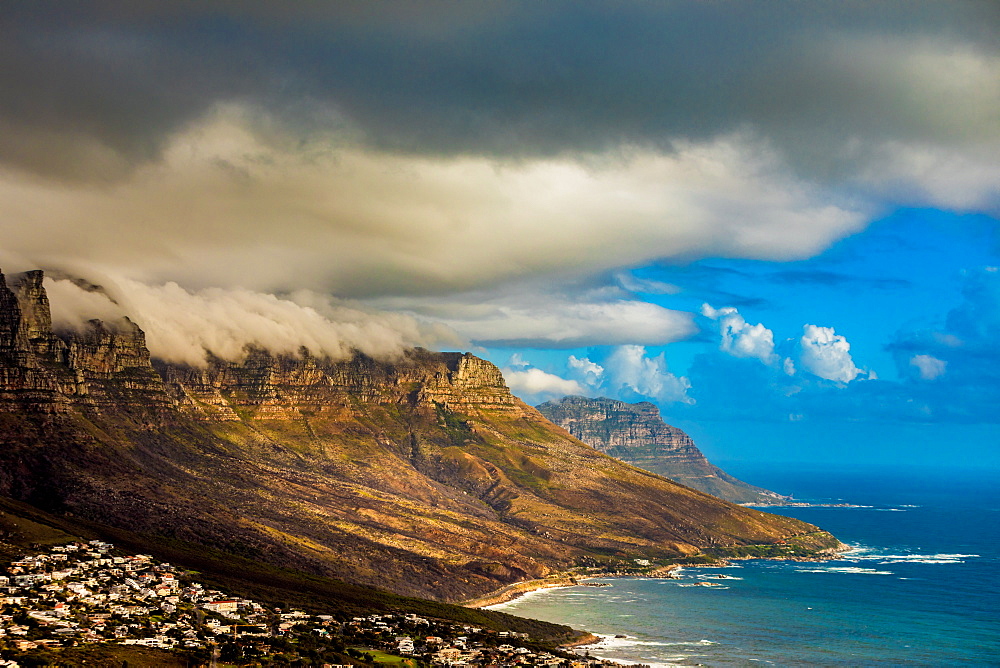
826 354
948 372
740 338
540 385
628 372
234 202
590 372
929 367
631 373
181 325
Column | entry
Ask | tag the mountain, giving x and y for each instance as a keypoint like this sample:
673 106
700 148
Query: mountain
635 433
422 474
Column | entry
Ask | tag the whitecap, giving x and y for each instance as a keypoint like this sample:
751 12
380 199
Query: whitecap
940 558
610 642
614 642
854 570
860 553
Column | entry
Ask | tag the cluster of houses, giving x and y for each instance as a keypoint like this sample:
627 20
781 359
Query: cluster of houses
448 644
82 593
85 592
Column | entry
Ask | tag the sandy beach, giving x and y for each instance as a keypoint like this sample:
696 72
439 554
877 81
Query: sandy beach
517 590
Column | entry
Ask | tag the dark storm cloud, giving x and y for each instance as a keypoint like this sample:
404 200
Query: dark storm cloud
400 150
113 80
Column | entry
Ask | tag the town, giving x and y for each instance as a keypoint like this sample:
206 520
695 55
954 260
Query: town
91 593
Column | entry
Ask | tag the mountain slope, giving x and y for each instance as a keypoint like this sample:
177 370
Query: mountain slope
422 475
635 433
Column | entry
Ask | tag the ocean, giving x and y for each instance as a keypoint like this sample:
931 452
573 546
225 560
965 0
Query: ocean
921 586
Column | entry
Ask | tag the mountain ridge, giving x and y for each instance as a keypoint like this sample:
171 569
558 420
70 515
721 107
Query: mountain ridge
636 433
422 475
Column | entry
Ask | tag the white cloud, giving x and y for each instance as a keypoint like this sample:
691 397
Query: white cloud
181 325
589 372
931 175
741 339
73 306
538 383
518 362
928 366
629 368
552 321
234 203
646 285
826 354
788 366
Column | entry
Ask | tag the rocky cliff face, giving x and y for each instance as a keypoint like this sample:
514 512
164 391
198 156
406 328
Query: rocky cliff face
106 366
421 474
292 387
635 433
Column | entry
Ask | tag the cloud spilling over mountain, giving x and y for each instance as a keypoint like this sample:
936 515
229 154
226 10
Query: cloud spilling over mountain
182 326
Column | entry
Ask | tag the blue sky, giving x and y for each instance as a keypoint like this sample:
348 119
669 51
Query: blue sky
915 296
777 220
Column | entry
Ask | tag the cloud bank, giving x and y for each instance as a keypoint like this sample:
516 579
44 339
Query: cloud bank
228 206
103 87
426 149
183 326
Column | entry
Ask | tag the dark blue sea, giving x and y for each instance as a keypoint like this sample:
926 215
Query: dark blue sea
920 588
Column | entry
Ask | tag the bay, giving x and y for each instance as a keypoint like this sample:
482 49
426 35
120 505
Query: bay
920 587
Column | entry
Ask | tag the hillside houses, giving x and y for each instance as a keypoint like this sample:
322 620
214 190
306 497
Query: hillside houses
83 593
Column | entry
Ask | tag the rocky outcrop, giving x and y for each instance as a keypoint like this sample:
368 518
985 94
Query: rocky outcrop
31 377
36 317
421 474
104 366
635 433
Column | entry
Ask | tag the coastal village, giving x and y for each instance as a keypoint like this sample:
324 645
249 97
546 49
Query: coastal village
90 593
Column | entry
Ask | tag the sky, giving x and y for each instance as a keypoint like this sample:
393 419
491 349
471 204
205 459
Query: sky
777 220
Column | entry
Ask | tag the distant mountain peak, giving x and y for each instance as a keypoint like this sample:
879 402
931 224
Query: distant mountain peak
636 433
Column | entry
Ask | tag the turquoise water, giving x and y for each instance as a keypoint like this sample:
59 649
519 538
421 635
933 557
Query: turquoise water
921 587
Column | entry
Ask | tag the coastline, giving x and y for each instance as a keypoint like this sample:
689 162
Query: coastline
515 590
